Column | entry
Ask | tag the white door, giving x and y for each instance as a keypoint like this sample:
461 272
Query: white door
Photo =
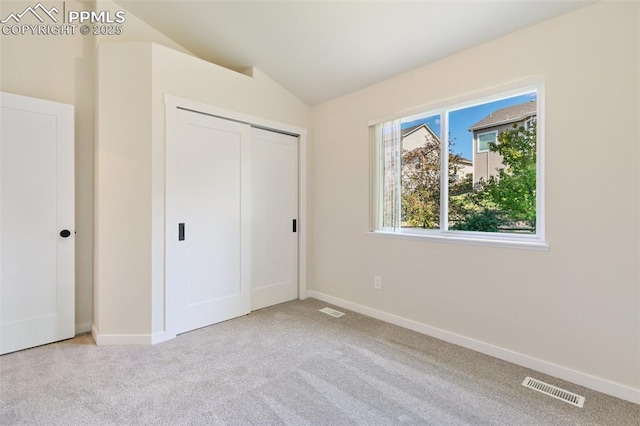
36 222
208 220
274 244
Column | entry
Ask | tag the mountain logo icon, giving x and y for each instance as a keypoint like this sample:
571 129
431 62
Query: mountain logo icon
38 11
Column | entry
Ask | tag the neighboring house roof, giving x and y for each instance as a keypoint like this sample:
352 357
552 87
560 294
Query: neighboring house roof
507 115
410 130
406 132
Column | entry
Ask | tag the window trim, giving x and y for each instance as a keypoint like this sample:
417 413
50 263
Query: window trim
495 138
465 238
442 108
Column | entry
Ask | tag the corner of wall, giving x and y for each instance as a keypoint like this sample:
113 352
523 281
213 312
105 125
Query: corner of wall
136 30
249 71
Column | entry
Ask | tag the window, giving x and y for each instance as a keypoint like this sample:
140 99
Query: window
484 139
430 180
530 122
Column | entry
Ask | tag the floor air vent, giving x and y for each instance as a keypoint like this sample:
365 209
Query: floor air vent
332 312
552 391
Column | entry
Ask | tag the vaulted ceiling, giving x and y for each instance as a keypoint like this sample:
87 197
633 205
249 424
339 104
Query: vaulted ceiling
319 50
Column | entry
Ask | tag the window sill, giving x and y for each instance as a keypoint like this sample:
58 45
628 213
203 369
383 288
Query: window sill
485 241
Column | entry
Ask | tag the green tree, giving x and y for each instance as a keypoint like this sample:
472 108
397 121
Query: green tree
483 219
421 184
510 196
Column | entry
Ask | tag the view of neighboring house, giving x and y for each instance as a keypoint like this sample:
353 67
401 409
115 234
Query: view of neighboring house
485 162
465 167
418 136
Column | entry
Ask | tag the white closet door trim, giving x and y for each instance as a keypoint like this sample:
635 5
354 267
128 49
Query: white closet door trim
177 102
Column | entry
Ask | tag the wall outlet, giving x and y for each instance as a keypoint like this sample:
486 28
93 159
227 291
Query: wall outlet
377 282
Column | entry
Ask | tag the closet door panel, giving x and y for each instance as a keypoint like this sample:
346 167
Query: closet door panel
274 257
207 215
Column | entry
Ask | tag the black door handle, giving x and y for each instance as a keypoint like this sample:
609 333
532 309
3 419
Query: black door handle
65 233
181 232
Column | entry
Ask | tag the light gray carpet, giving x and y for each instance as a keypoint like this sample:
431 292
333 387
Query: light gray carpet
288 364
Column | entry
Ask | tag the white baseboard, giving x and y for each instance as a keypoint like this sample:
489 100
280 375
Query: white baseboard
583 379
127 339
83 327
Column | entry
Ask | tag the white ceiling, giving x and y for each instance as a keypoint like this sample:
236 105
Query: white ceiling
319 50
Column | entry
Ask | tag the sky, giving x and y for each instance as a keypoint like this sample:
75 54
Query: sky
460 121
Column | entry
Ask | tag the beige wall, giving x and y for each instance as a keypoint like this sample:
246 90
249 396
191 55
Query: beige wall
123 190
135 30
60 68
577 305
134 78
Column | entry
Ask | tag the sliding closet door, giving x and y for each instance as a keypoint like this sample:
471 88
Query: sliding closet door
208 220
36 222
274 254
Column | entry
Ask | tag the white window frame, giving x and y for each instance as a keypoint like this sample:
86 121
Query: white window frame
535 241
495 138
